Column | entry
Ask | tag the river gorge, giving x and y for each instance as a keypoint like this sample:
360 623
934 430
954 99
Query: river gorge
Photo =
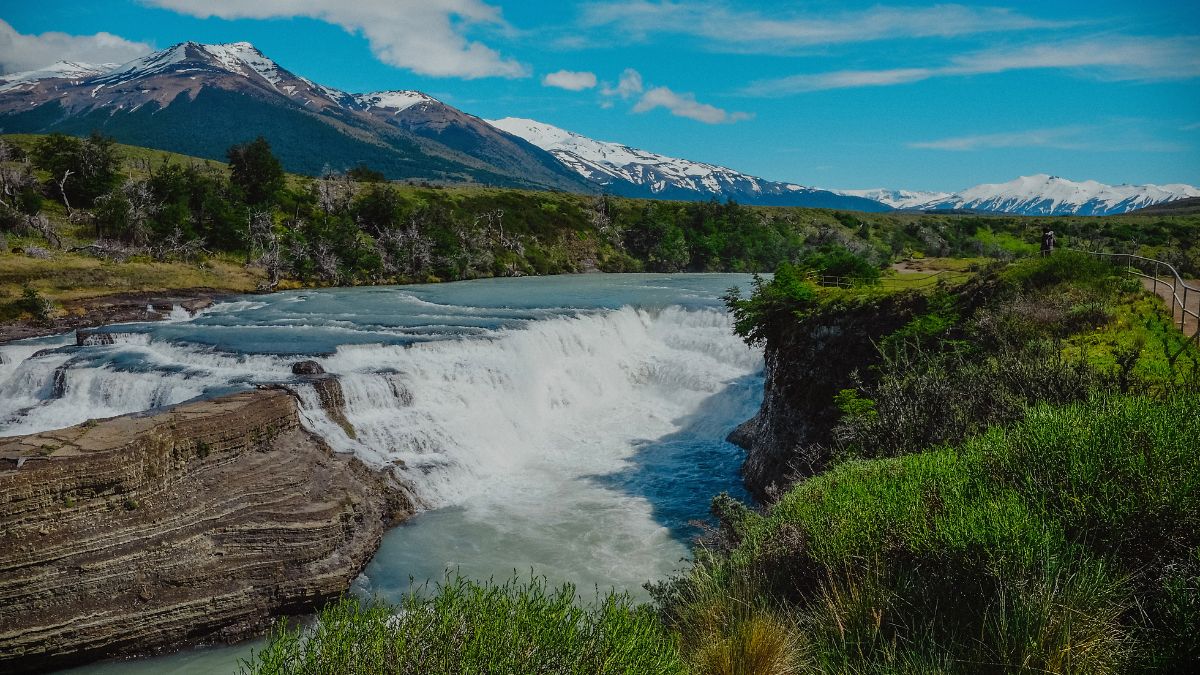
572 427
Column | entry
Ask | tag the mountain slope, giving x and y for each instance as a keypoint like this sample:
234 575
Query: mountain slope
200 99
1044 195
898 199
631 172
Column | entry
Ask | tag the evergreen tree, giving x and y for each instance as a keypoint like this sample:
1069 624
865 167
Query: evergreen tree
255 173
80 169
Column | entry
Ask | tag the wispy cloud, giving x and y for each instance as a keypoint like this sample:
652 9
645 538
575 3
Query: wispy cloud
1113 58
725 27
686 105
20 52
1195 126
631 85
628 85
428 37
1109 138
570 80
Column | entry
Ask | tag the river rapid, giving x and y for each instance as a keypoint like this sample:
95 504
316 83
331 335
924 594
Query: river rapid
571 427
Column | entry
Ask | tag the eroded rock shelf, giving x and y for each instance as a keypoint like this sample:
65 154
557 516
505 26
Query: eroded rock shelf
200 523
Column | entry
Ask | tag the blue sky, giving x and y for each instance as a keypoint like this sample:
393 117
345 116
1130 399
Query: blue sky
833 94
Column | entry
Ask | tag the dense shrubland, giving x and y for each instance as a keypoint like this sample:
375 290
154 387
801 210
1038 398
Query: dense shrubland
1013 488
119 202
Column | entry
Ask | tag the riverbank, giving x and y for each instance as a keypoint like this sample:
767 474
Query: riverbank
196 524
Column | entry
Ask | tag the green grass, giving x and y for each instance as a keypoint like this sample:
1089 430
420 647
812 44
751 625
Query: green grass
1039 547
468 627
65 277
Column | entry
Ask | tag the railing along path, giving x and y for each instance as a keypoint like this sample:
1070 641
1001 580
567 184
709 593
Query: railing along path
1166 283
1183 298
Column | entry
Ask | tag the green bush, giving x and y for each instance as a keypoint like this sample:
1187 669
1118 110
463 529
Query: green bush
469 627
1064 543
837 261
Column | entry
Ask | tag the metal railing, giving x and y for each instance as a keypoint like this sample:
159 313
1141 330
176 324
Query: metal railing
1182 295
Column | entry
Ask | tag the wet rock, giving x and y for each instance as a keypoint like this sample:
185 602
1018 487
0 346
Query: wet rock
307 368
197 304
87 338
743 435
58 384
333 402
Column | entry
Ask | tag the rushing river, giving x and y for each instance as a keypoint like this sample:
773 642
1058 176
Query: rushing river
570 426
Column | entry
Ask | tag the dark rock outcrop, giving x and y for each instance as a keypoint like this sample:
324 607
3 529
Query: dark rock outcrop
307 368
806 364
196 524
333 401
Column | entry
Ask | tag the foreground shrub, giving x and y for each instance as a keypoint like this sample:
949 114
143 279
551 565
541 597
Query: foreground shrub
469 627
1065 543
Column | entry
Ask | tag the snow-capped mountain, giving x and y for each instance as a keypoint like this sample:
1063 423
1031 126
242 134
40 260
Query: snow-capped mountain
898 199
67 70
199 99
393 101
1042 194
631 172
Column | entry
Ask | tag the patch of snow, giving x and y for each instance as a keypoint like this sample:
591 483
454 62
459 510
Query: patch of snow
897 199
607 162
397 101
68 70
236 57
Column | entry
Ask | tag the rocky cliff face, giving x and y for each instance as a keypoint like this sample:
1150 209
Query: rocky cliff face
196 524
806 364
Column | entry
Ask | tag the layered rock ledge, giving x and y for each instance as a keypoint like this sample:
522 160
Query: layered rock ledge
196 524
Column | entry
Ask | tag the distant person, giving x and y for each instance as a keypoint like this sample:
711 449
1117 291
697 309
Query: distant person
1047 241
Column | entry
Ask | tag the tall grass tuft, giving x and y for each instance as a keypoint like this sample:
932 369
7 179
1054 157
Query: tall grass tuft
469 627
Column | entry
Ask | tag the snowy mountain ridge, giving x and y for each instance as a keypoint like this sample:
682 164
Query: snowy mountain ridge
510 147
898 199
69 70
604 162
1043 194
640 173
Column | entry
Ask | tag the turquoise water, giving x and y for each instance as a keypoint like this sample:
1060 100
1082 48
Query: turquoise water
570 427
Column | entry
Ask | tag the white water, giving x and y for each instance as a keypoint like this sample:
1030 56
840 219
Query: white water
574 435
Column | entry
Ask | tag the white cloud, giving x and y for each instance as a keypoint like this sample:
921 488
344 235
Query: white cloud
428 37
1108 138
686 105
1062 138
1195 126
628 85
570 80
738 30
631 85
20 52
1115 58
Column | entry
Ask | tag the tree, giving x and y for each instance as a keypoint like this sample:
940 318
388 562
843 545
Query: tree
365 174
81 170
255 173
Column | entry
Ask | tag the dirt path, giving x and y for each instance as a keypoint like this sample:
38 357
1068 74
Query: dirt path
1193 301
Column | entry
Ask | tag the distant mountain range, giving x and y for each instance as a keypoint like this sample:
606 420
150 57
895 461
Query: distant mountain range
199 99
631 172
1043 195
